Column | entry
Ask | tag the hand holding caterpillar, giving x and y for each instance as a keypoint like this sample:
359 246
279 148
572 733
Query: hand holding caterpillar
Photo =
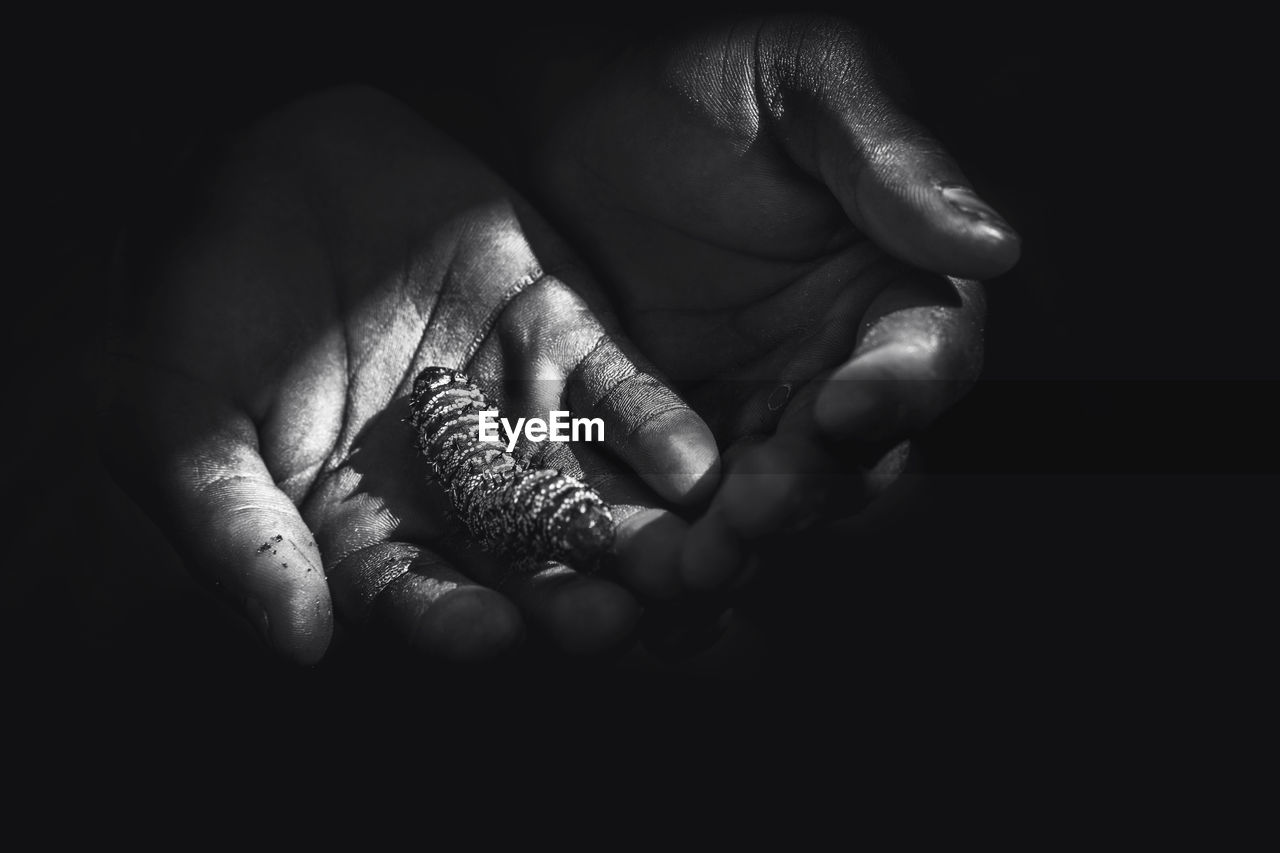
506 506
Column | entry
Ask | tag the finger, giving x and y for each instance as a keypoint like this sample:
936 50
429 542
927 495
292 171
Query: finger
782 484
569 353
647 538
920 352
191 459
647 544
581 615
713 553
660 437
793 480
426 602
894 180
777 483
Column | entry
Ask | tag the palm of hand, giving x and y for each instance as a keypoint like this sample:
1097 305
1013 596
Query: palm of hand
748 193
728 261
342 248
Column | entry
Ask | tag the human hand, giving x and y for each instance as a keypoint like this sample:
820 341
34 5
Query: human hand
778 238
255 396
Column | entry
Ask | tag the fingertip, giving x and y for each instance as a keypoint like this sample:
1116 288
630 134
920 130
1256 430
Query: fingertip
712 554
940 225
298 624
469 625
980 252
757 492
648 553
986 245
656 433
847 411
881 392
682 457
995 252
589 617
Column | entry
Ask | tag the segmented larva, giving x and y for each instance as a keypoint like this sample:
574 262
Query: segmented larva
506 506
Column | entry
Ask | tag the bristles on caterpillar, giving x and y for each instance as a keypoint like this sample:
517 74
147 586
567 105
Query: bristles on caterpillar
506 506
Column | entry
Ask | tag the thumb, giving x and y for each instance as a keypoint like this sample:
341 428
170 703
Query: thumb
191 460
895 182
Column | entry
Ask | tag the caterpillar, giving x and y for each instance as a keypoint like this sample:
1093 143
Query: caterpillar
506 506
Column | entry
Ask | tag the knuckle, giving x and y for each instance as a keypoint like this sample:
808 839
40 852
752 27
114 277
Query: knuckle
549 318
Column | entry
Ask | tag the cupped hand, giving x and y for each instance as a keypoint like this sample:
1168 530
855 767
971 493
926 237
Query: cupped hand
793 252
257 390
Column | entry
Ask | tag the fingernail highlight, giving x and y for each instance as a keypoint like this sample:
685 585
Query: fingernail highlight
964 200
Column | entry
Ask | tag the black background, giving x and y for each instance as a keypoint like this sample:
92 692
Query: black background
1063 549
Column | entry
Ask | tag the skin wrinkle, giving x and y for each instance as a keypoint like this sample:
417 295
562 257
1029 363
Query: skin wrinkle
402 386
306 385
302 555
744 127
651 415
372 350
398 561
366 538
789 294
340 313
426 592
810 325
520 323
526 283
215 475
301 481
615 202
796 80
768 100
348 434
200 473
341 451
245 509
576 374
752 129
563 345
203 488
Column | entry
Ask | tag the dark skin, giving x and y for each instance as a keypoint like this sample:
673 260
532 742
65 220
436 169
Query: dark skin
757 215
764 215
256 401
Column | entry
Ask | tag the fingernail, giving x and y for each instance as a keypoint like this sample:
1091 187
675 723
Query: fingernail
966 201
